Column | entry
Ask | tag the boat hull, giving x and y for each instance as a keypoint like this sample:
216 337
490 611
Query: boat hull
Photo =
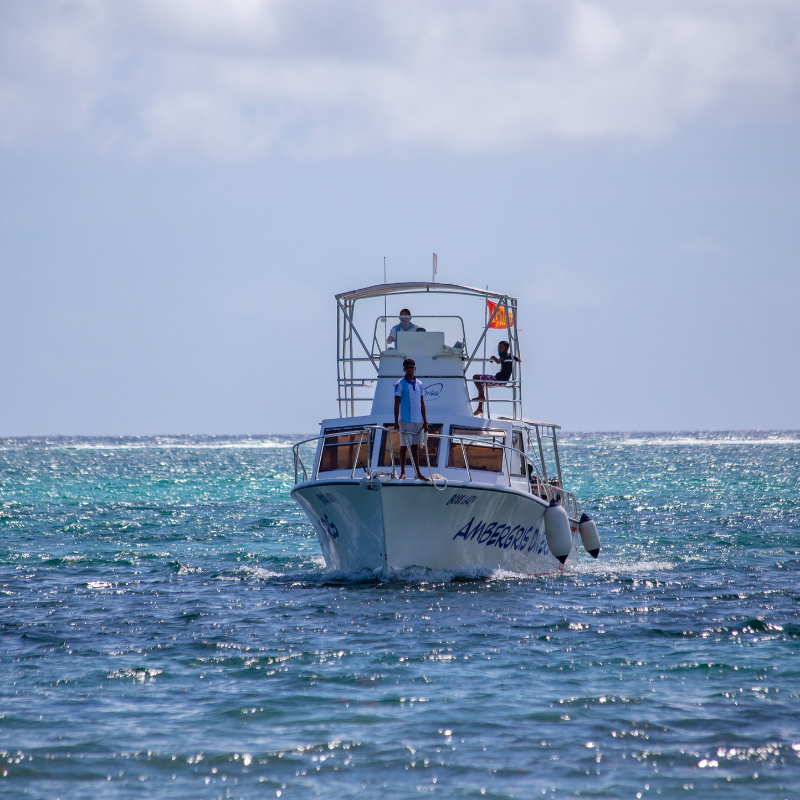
467 528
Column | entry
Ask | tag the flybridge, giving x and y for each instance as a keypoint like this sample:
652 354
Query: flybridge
368 366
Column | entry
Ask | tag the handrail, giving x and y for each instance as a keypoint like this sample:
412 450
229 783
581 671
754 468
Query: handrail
551 490
419 316
355 330
358 453
368 383
346 386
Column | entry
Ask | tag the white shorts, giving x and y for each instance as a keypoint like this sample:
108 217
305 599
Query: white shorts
409 433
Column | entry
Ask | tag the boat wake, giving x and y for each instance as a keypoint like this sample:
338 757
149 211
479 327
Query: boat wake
409 575
317 575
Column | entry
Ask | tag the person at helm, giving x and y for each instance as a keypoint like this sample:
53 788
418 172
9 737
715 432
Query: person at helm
405 324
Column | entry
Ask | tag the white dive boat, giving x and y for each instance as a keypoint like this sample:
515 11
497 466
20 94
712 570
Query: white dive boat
496 501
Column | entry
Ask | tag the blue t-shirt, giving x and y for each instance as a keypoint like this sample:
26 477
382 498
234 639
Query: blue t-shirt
395 332
410 394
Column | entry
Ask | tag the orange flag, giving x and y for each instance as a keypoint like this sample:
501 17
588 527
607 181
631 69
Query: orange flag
499 320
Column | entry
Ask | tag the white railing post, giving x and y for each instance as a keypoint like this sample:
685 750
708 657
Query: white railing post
358 453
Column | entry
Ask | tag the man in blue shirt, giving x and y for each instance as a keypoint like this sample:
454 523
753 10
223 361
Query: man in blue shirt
409 416
405 324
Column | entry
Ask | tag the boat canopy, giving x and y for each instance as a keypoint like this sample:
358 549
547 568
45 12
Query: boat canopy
386 289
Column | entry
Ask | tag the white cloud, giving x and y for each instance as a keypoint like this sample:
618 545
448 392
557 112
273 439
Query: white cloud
242 78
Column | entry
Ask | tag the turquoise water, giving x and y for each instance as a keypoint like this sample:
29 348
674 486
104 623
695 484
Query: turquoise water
169 630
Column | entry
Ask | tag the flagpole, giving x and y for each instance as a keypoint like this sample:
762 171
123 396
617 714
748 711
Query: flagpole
485 326
384 305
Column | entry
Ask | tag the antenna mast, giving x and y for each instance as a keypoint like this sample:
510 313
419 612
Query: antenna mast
384 303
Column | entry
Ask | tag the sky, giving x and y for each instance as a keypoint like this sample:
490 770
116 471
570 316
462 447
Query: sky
186 184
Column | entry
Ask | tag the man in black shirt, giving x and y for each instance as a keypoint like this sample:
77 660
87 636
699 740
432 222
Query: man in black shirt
506 362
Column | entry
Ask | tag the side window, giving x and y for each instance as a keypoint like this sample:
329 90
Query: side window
385 459
485 454
342 447
518 461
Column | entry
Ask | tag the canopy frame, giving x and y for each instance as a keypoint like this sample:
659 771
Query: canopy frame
350 344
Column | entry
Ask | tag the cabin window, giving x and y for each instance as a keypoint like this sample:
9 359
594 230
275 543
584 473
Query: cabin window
485 454
385 459
341 447
517 461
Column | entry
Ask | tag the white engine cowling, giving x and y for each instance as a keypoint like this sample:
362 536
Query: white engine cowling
556 528
589 535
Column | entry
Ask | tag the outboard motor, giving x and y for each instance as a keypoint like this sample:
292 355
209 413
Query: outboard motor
589 535
556 528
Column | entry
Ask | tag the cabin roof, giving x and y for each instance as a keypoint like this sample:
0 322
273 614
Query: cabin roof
531 422
420 287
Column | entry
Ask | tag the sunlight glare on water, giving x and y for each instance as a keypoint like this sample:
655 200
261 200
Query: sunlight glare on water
169 630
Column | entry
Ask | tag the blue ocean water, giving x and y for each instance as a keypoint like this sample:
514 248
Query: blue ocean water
169 630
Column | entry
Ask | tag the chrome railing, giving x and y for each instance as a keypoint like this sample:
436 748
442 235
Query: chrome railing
348 386
535 482
298 461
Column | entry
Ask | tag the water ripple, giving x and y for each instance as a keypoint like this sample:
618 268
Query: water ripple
169 628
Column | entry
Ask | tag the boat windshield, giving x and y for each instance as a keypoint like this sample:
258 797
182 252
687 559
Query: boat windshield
387 328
